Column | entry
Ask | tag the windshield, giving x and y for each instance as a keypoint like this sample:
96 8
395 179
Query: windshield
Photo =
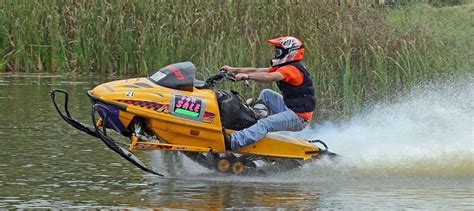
176 76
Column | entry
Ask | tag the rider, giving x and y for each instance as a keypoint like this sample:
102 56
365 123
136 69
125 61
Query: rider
292 111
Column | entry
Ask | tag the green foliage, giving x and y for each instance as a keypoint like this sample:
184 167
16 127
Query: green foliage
356 52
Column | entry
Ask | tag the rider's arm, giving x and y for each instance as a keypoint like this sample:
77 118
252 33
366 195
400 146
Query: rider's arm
261 76
245 69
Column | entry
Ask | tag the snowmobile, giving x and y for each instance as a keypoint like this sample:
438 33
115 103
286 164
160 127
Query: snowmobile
172 111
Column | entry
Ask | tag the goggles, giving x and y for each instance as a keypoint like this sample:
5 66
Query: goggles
279 52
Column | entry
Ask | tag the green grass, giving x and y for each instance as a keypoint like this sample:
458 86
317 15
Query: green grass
356 53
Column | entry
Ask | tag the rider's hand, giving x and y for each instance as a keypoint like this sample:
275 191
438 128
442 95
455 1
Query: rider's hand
229 69
242 76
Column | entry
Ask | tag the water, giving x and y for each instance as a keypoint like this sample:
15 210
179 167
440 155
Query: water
415 152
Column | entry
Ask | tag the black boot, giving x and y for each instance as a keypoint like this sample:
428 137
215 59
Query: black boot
227 140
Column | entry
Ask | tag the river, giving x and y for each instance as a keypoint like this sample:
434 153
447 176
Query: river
416 152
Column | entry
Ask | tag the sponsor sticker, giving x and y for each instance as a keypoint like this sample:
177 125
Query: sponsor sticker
188 107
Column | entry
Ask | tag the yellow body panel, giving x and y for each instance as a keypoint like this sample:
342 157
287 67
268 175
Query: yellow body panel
277 145
146 99
144 145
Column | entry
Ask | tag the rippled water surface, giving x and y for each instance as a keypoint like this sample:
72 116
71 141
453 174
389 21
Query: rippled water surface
416 152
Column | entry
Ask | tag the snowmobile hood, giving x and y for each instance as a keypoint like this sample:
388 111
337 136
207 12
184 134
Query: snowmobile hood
175 77
125 88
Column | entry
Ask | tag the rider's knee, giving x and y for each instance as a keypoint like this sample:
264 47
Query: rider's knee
266 92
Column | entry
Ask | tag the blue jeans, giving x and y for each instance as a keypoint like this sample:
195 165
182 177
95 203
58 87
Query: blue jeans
283 119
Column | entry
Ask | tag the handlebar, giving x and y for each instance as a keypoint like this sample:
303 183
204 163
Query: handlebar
220 75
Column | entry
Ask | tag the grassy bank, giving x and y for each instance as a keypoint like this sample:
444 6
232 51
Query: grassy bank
356 52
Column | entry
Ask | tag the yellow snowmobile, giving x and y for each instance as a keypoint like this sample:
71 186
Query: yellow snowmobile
171 110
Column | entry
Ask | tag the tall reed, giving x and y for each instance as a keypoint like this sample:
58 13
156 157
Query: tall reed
356 51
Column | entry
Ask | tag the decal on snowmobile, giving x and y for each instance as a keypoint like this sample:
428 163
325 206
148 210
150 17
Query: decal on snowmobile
152 146
187 107
159 107
179 75
129 94
208 117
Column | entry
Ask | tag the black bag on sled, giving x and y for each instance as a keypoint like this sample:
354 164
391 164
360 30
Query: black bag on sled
235 115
